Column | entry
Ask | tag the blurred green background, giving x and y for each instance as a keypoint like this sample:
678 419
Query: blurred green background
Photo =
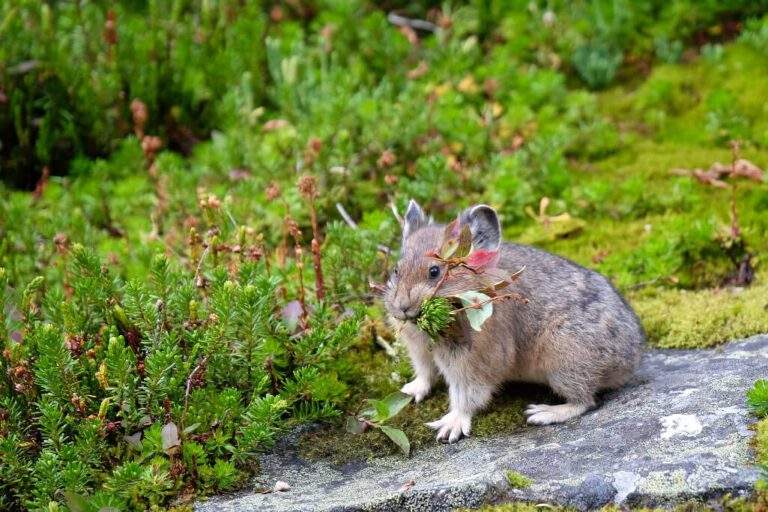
627 135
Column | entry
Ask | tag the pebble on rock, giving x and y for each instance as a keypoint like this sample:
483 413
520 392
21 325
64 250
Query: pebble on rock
281 486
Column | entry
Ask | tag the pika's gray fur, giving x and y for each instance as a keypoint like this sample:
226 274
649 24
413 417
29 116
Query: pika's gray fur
576 333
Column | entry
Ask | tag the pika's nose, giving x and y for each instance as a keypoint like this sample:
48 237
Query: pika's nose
409 312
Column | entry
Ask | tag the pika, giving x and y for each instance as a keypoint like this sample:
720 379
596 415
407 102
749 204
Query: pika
575 334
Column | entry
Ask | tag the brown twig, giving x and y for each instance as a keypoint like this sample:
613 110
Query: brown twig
735 228
293 230
308 188
498 298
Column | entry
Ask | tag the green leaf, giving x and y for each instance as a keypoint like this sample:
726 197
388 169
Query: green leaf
75 502
477 314
448 249
354 426
465 242
396 402
379 410
398 437
191 428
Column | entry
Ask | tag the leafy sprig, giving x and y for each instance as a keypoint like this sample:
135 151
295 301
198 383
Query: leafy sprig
377 414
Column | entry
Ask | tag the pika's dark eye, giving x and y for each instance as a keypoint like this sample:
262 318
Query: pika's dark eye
434 271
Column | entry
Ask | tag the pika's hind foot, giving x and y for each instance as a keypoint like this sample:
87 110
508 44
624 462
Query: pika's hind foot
543 414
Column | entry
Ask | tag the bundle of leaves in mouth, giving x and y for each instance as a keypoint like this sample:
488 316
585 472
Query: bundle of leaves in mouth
435 316
472 276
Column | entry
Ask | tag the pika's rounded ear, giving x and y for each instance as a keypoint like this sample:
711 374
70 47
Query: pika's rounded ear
485 227
414 219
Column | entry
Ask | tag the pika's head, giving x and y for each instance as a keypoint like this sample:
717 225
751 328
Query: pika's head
416 275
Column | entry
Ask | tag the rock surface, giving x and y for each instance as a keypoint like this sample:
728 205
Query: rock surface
678 431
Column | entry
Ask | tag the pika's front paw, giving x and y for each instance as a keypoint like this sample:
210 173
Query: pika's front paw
417 388
452 426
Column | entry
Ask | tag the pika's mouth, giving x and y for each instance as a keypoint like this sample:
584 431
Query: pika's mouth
409 315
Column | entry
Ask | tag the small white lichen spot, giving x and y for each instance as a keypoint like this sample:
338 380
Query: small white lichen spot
549 18
686 425
625 483
281 486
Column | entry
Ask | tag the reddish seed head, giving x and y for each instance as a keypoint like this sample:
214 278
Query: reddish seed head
308 186
293 228
61 241
273 191
386 159
151 144
139 113
276 14
110 28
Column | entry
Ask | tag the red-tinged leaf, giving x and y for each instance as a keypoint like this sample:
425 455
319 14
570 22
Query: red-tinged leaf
481 258
451 230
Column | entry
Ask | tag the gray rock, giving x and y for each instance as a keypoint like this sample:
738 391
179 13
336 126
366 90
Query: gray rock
679 431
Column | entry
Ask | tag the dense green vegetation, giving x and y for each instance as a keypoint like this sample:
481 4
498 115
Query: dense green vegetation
180 287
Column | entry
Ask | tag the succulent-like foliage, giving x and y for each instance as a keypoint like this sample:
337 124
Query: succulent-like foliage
435 316
194 370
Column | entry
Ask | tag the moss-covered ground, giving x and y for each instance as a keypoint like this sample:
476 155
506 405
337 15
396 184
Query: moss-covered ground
666 123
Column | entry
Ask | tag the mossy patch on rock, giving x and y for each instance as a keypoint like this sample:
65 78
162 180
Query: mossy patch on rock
517 480
702 318
518 507
503 415
761 441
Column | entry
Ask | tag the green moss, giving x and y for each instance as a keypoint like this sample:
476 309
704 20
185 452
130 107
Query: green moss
517 507
761 441
517 480
503 415
703 318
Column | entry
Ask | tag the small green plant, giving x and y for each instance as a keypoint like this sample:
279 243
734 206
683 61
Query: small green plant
377 414
668 51
517 480
597 64
757 398
436 315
